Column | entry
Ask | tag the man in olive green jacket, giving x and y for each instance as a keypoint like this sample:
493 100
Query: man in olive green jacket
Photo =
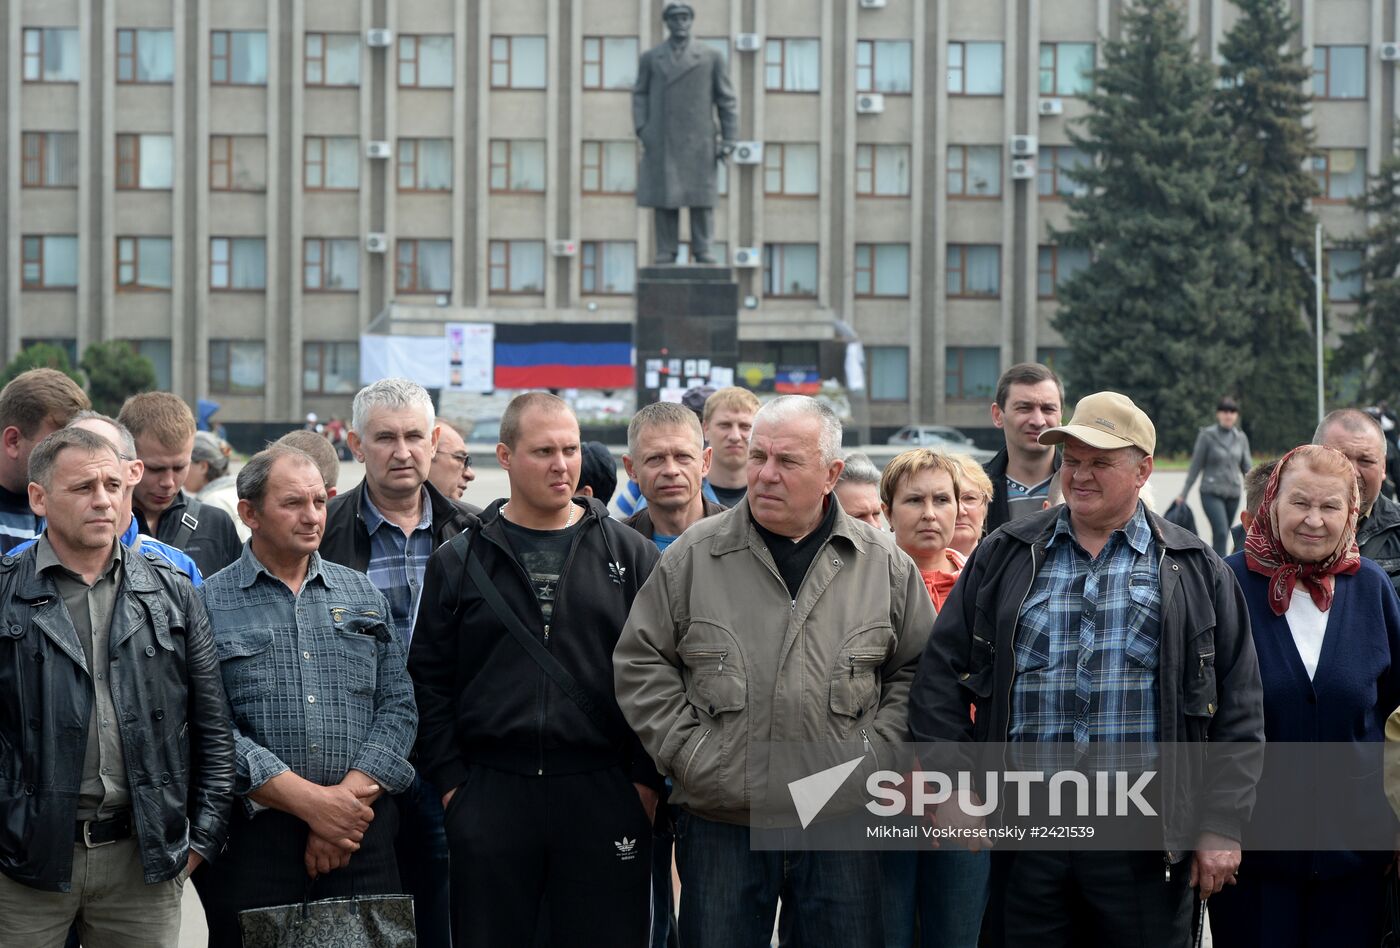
782 621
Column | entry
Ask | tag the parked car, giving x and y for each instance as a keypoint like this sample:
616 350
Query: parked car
942 437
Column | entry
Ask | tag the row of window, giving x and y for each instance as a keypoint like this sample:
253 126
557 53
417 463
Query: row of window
239 57
332 163
332 264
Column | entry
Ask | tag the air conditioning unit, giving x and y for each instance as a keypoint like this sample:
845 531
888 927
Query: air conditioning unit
378 149
564 248
748 42
870 103
872 4
1052 107
1023 145
748 257
1023 169
1390 52
379 39
748 153
376 243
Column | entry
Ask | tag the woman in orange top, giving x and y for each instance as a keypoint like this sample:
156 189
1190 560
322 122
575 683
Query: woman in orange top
919 497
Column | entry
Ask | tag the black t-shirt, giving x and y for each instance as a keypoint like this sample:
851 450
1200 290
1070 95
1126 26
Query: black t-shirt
728 496
793 559
542 553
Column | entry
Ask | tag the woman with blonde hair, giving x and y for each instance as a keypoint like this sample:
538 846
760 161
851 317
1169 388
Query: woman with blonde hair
974 499
946 891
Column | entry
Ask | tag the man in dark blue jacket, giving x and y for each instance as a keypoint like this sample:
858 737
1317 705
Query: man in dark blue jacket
549 802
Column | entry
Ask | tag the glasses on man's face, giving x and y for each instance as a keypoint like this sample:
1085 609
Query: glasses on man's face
462 458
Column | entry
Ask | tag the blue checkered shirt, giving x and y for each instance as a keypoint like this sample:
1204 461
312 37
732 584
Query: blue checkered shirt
1086 652
397 562
318 683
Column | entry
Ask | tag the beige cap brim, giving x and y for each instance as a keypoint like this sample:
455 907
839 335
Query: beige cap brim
1093 437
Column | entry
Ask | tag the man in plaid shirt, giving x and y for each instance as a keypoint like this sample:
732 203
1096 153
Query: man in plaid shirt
1087 637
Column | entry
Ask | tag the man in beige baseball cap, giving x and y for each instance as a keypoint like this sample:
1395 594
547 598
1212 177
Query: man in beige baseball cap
1093 612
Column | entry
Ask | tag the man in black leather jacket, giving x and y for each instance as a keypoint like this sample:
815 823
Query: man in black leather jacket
116 751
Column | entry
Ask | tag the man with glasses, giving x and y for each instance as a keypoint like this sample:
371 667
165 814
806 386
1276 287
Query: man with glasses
451 471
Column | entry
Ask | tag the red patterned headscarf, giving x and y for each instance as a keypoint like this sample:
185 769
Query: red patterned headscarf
1264 552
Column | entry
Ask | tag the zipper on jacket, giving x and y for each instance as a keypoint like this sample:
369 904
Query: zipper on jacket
685 774
869 747
1005 737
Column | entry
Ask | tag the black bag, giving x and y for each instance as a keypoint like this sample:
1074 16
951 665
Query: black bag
1391 924
1181 515
361 921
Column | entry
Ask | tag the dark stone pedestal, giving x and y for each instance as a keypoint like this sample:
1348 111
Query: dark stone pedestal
684 313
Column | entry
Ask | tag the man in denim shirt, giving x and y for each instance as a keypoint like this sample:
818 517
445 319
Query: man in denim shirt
323 708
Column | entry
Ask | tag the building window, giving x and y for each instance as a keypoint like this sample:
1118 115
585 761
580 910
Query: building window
425 164
888 373
330 264
974 271
885 66
971 373
790 270
1345 280
425 62
609 267
145 162
517 165
609 167
1340 173
51 55
236 368
143 263
237 163
237 263
975 68
1054 168
158 351
424 266
1339 72
882 270
882 170
332 59
1066 68
790 169
974 171
50 159
330 368
331 164
50 263
518 62
68 344
145 56
516 266
792 65
609 62
1055 265
238 58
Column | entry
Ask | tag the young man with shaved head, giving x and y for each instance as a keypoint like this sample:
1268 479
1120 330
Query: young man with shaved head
549 795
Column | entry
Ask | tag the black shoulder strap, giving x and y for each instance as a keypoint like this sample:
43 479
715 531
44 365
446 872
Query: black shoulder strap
189 523
532 646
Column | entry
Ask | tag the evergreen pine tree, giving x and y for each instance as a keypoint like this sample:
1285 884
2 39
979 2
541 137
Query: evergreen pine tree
1263 100
1156 313
1372 347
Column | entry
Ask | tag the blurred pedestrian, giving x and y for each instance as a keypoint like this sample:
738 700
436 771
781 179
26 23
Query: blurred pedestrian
974 501
1220 460
858 489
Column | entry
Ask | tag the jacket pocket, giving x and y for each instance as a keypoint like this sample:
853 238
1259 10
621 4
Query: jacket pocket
713 669
360 656
855 681
246 661
1144 611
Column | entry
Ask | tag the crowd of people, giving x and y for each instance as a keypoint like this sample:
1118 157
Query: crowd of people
523 715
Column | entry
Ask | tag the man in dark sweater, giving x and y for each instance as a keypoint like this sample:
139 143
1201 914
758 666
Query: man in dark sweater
1029 400
164 430
32 406
1359 436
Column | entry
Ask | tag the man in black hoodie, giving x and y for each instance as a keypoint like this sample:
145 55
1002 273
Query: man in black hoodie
549 794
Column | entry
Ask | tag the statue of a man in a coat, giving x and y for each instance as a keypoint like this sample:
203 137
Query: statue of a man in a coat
681 87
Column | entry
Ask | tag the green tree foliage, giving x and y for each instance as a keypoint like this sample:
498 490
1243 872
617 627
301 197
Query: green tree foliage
1372 347
116 372
1264 102
1157 313
41 355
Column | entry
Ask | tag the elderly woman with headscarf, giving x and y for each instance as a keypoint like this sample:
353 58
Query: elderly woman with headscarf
1326 627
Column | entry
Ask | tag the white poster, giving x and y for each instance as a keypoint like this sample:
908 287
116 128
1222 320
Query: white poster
471 363
418 358
721 377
